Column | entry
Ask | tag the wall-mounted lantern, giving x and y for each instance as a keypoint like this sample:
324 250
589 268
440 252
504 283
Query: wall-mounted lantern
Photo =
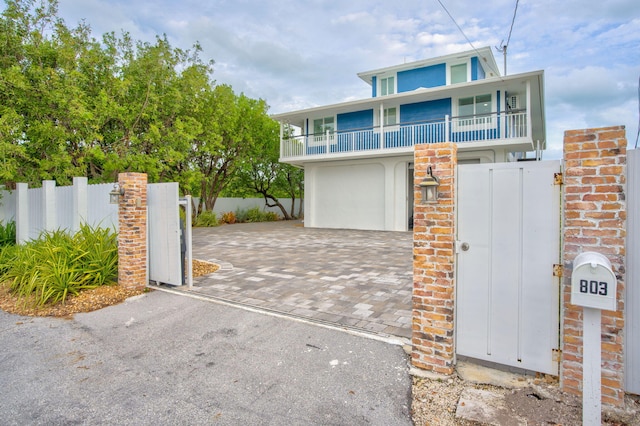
429 188
116 192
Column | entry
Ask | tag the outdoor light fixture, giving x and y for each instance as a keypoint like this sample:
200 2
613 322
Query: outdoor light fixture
116 192
429 188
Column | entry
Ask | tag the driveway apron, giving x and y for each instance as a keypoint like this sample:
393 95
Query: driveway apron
354 279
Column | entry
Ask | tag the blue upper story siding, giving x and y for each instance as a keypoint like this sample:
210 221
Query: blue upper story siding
374 86
355 121
433 76
477 72
425 111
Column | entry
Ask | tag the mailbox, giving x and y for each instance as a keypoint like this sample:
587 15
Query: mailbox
593 283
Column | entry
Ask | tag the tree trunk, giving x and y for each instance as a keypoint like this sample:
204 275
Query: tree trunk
278 204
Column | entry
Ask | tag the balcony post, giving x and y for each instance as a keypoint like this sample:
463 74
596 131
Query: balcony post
327 142
528 118
281 140
447 125
381 126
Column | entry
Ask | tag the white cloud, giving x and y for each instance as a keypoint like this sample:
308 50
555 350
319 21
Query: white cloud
301 53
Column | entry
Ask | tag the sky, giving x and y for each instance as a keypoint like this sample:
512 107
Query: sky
306 53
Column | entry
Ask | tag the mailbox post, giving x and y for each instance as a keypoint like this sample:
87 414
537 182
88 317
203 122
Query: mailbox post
593 286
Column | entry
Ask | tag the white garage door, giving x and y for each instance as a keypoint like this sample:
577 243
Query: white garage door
350 197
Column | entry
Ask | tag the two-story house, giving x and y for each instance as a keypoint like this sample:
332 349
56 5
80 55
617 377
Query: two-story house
358 156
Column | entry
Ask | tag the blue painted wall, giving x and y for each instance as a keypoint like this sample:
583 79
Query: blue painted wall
433 76
477 72
374 86
355 120
425 111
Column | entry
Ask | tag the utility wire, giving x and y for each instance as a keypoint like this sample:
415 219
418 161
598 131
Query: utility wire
512 21
465 36
503 45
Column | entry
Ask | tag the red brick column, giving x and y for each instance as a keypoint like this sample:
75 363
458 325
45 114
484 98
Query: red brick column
434 262
594 220
132 234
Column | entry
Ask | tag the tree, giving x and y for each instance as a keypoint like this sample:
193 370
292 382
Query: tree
261 172
73 106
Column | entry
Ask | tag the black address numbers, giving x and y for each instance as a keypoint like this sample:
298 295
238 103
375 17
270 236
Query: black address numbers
594 287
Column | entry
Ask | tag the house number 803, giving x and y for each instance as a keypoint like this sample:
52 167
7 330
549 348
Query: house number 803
593 287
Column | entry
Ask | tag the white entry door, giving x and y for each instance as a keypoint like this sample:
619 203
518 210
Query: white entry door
507 297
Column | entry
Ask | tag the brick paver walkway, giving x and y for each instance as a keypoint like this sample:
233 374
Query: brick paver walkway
355 279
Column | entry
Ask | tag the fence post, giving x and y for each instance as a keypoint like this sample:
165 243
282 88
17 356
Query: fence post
434 261
447 127
22 213
80 207
132 234
594 220
49 205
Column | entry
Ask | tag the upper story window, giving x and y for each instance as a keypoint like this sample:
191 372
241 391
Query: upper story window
459 73
480 106
323 125
387 86
390 116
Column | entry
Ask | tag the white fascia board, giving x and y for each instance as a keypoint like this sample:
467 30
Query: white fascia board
484 52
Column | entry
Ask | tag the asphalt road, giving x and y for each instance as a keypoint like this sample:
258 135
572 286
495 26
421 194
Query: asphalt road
168 359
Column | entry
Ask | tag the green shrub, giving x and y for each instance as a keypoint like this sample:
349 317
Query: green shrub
257 215
56 265
271 217
241 215
207 219
100 246
8 234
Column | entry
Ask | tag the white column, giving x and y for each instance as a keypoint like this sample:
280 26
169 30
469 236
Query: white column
381 126
80 207
447 126
49 204
281 140
22 213
528 115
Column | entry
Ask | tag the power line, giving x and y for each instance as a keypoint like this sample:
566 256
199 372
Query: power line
465 36
503 46
512 21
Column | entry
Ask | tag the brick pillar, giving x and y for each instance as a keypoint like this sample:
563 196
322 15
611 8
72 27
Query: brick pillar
594 220
434 262
132 234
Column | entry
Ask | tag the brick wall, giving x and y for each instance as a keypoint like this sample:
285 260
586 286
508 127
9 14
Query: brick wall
594 220
434 262
132 234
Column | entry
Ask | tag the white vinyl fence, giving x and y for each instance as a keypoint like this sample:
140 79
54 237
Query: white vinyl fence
50 208
224 205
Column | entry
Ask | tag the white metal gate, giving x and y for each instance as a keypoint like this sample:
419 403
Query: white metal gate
507 300
163 220
632 304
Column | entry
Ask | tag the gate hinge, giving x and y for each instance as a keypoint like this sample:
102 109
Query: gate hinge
556 355
558 178
557 270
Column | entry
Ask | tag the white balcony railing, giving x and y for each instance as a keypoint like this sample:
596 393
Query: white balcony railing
481 128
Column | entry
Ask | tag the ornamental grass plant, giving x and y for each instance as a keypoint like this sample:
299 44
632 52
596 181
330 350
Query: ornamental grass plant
58 265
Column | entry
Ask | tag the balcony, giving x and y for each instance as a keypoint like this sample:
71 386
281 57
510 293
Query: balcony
509 129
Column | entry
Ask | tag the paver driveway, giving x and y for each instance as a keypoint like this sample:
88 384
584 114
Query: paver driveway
355 279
